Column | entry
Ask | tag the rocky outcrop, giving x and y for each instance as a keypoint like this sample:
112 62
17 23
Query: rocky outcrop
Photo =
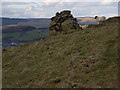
64 21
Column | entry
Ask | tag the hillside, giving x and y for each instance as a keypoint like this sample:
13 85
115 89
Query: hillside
77 59
86 20
19 34
19 31
11 21
38 23
16 31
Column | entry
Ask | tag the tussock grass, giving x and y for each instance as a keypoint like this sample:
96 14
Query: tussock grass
80 59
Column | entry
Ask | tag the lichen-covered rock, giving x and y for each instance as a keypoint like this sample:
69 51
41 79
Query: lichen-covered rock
64 21
69 25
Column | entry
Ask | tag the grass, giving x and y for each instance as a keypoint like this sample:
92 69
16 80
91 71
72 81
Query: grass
32 35
79 59
14 35
25 36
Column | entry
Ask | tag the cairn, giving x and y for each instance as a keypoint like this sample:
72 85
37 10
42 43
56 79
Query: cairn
64 21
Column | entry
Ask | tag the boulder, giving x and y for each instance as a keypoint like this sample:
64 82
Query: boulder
64 21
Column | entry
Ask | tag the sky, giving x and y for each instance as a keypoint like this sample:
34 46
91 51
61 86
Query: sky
47 8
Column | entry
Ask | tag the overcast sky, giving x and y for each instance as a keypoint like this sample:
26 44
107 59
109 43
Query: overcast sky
45 8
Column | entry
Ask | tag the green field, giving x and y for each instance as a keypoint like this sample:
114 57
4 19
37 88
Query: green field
77 59
25 36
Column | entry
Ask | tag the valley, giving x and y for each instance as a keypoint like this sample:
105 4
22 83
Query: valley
16 31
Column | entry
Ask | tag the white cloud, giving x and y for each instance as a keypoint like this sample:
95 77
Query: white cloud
47 1
93 13
46 9
28 8
0 9
16 15
106 2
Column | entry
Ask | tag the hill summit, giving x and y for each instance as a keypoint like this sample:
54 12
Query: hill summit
64 21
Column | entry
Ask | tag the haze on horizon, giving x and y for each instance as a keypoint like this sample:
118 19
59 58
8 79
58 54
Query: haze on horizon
48 9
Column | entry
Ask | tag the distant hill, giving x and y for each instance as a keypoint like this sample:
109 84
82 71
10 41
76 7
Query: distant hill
42 22
12 21
39 23
86 20
22 34
12 29
17 30
26 30
77 59
36 22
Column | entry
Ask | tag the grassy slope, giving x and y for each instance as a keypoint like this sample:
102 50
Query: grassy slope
26 36
87 58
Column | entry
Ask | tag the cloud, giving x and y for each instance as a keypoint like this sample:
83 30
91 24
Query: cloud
48 9
29 8
16 15
47 1
106 2
93 13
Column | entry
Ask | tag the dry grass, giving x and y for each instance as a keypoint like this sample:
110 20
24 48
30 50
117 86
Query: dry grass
81 59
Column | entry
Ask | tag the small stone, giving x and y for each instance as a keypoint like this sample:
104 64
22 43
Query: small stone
86 65
74 85
7 64
57 81
87 72
4 49
30 80
47 48
75 67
